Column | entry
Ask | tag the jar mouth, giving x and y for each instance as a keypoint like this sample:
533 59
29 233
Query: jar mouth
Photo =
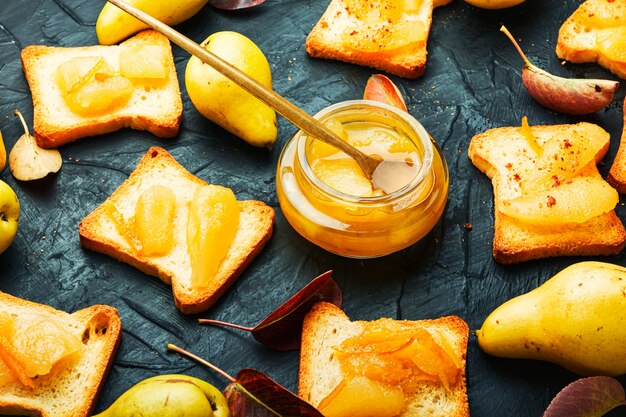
363 106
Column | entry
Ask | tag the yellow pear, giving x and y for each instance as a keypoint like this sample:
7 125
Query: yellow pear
3 153
114 24
222 101
172 396
576 319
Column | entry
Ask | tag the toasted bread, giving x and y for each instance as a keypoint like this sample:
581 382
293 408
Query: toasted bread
326 327
374 34
506 157
578 36
99 233
155 107
72 386
617 173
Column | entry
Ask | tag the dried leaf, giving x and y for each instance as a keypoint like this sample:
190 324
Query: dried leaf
380 88
234 4
254 394
587 397
282 329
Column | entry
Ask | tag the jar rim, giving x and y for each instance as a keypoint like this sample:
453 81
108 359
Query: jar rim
408 119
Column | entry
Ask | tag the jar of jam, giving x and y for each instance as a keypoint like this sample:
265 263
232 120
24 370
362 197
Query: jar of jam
328 199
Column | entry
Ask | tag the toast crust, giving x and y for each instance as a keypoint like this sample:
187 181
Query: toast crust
577 40
617 173
515 241
157 109
73 390
97 232
326 326
325 40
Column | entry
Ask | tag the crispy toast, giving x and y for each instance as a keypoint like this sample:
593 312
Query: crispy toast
383 34
72 386
617 173
99 233
155 107
506 157
326 327
580 35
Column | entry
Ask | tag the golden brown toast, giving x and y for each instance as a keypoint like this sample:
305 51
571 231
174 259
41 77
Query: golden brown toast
73 384
617 174
379 33
99 233
327 326
593 21
155 107
507 158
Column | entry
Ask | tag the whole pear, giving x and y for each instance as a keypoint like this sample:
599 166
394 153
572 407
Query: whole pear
222 101
169 396
576 319
114 24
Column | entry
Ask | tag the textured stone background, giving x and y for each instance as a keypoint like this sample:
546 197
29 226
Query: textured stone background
472 83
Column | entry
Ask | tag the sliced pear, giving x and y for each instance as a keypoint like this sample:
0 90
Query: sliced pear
154 220
211 227
73 74
343 175
28 161
363 397
575 200
143 61
612 43
560 159
101 94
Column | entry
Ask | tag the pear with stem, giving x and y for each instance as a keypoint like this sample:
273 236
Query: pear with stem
574 96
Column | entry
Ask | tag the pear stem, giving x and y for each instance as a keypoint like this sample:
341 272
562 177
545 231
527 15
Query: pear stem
183 352
223 323
18 114
504 30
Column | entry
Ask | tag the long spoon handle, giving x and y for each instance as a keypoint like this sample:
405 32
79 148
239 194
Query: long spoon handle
284 107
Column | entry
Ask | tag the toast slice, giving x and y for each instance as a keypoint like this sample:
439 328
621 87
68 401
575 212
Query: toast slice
155 106
617 173
583 34
508 159
327 326
98 232
73 384
384 34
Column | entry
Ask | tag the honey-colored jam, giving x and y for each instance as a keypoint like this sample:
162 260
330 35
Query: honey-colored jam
329 200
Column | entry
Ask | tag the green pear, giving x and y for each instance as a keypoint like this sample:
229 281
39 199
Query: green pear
169 396
114 24
576 319
222 101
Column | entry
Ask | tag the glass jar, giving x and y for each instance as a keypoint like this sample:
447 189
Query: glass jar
363 227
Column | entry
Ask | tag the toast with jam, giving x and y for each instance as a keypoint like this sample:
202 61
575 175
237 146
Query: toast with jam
159 221
53 364
91 90
384 34
549 198
385 367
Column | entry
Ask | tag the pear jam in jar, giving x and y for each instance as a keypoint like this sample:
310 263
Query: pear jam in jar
328 199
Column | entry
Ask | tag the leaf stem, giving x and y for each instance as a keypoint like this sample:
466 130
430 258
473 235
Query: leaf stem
504 30
183 352
223 323
18 114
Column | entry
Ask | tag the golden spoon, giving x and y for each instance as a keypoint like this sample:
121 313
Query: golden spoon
284 107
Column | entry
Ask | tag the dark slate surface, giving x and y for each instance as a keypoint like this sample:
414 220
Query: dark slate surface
472 83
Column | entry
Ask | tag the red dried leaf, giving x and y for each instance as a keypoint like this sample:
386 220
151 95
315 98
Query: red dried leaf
254 394
234 4
381 88
282 329
587 397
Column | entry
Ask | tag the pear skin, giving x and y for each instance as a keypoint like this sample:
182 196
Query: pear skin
576 319
225 103
172 396
115 25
